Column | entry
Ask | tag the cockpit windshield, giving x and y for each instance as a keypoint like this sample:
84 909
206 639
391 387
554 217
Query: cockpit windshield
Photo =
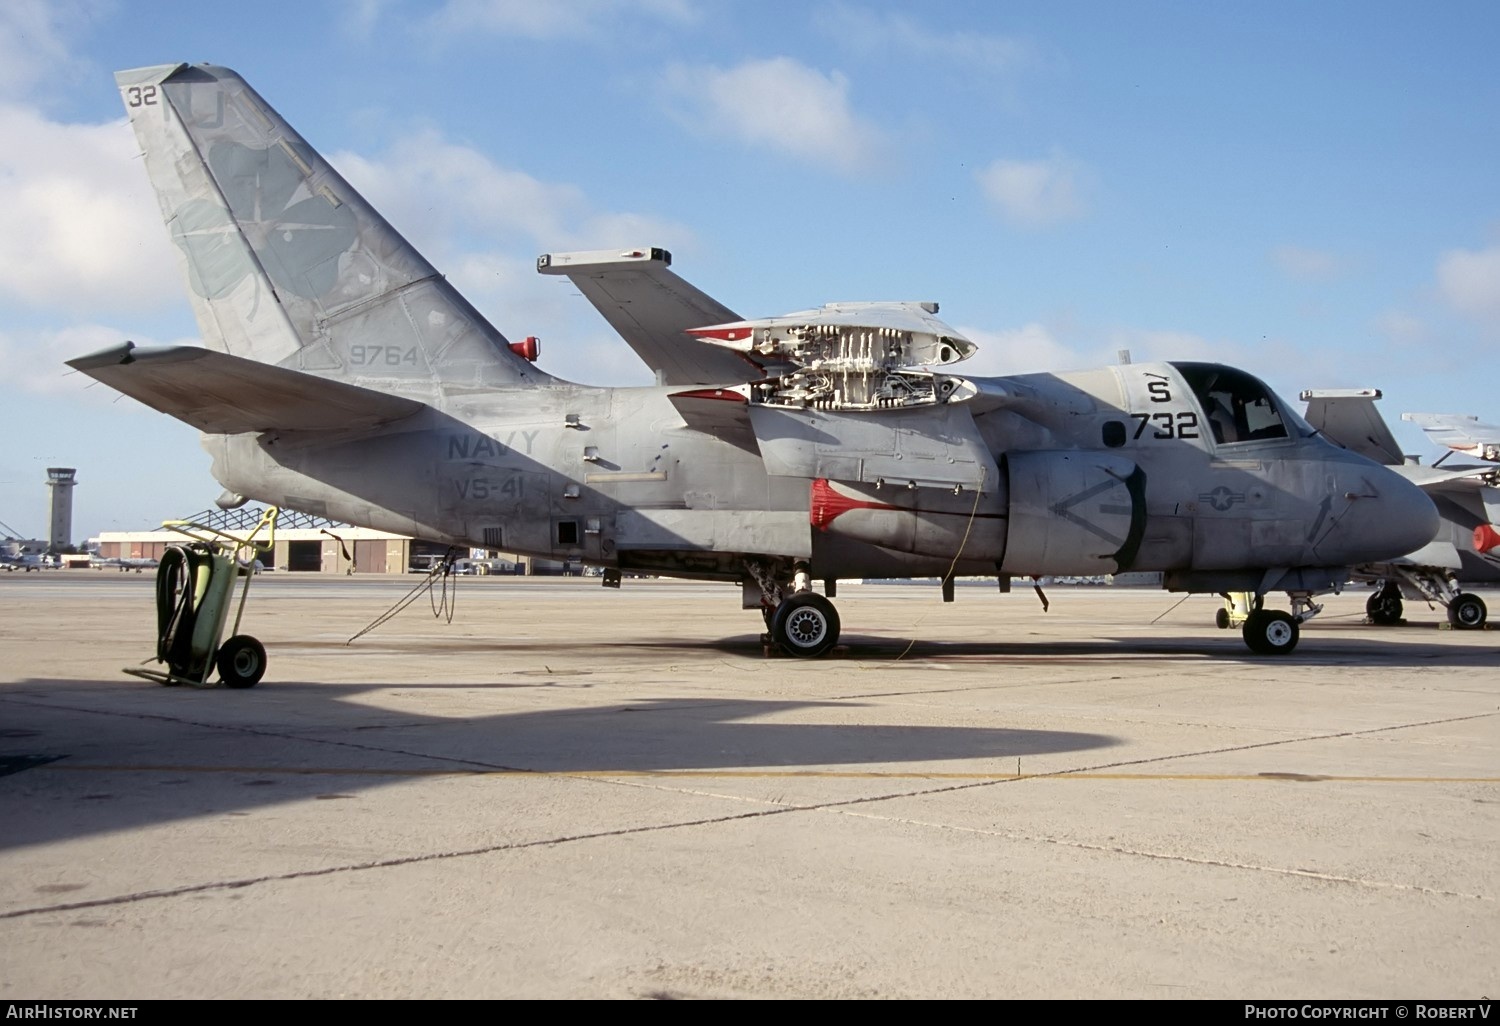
1239 408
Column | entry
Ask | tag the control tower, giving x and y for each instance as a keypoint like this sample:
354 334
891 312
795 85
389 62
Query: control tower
60 480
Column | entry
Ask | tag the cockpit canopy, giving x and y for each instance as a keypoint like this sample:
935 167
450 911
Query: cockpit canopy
1237 406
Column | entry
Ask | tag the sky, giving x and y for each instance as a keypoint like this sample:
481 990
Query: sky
1308 190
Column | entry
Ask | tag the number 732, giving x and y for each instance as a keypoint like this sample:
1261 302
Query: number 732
1183 424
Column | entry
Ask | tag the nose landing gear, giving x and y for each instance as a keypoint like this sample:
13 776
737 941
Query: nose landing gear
1271 632
1266 631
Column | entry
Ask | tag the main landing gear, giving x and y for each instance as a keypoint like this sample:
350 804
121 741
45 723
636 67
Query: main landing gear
799 621
1466 611
805 625
1266 631
1384 607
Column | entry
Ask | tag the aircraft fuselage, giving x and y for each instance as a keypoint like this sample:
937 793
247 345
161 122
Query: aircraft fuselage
1105 471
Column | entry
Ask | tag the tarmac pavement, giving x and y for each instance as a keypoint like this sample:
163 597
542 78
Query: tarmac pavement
576 792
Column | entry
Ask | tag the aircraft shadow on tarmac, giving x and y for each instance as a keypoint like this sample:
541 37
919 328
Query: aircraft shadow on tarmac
1415 647
225 756
1401 647
308 740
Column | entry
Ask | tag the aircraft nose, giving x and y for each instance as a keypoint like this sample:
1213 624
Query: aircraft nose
1388 517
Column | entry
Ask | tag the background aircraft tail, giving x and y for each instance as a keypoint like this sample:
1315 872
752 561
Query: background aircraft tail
286 263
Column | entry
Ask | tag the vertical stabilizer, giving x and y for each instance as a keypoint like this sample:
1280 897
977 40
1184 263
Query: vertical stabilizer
286 263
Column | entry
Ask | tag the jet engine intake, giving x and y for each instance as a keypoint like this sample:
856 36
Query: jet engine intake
1073 512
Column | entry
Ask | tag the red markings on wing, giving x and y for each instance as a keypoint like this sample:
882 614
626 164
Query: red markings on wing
733 334
828 505
1486 538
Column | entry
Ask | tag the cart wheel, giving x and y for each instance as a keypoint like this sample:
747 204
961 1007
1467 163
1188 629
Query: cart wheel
241 661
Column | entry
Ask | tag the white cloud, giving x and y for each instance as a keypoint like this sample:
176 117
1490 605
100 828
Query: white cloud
1030 348
1402 329
1307 264
32 41
557 19
484 226
445 198
1035 193
80 227
361 16
1037 347
35 361
1469 281
1147 345
878 33
781 106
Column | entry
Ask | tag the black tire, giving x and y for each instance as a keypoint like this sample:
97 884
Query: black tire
805 625
1271 632
1467 612
1384 607
241 661
1221 619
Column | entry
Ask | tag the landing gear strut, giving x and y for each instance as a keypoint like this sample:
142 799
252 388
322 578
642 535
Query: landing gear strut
799 621
1266 631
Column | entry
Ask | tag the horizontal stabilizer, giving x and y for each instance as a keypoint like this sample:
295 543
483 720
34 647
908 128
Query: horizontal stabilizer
226 395
652 309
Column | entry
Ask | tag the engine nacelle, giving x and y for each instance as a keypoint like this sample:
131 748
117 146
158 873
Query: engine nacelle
925 521
1052 513
1073 513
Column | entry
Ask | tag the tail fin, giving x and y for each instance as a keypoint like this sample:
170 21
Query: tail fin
286 263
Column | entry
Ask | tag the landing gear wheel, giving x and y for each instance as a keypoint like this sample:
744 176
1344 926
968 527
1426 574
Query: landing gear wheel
805 624
241 661
1467 612
1384 607
1221 619
1271 632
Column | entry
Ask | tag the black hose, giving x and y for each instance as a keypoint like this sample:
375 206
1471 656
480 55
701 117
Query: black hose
176 615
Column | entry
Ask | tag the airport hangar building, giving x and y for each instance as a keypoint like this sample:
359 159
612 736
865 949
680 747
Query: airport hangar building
311 544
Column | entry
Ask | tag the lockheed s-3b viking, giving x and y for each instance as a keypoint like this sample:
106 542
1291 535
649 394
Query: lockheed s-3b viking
344 376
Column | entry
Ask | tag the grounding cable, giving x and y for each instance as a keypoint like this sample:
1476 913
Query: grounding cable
443 600
973 513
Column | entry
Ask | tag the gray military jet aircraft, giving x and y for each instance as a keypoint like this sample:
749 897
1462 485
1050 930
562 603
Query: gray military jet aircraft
124 563
1466 547
346 378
